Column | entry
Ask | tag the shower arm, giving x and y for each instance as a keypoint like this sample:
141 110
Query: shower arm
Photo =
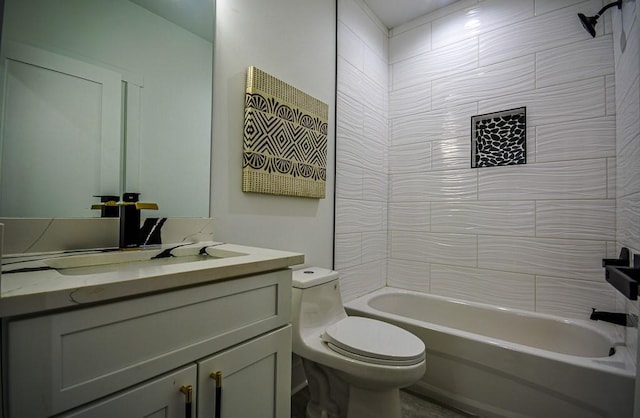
608 6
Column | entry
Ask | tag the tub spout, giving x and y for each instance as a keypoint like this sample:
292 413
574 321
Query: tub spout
626 320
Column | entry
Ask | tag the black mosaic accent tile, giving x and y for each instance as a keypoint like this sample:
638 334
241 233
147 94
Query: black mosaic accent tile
499 138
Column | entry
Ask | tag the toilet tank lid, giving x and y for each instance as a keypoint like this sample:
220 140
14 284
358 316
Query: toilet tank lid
312 276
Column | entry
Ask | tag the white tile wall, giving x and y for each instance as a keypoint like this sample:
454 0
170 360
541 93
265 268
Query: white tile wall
573 298
411 275
487 286
504 78
527 236
579 219
587 59
362 150
577 140
441 123
482 218
452 249
537 34
577 259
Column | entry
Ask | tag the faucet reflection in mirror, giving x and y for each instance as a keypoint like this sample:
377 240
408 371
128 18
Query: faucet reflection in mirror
130 233
100 97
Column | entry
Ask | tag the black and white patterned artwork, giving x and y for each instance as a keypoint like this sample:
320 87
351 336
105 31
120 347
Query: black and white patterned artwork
499 138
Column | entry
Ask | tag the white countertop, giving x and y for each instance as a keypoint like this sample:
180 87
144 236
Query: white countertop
41 290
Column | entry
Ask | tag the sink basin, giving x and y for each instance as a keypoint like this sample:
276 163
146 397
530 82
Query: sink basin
134 259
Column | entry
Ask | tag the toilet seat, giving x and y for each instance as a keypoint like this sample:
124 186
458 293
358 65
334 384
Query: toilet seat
374 341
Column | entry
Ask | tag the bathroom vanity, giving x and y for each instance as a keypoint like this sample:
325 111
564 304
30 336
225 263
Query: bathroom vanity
201 337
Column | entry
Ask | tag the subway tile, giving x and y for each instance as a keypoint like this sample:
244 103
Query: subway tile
352 14
409 216
572 298
449 154
376 68
358 216
584 139
410 101
628 168
480 18
374 95
436 124
350 114
485 218
628 122
629 220
348 250
410 275
349 181
375 186
362 279
496 80
430 17
350 47
610 93
434 186
533 35
455 58
376 128
374 246
452 249
355 150
581 179
410 158
578 100
579 219
350 80
547 6
511 290
577 259
577 61
611 178
408 44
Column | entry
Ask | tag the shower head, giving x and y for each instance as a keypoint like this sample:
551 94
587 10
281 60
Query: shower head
590 22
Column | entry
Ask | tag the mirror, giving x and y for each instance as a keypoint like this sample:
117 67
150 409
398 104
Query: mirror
102 97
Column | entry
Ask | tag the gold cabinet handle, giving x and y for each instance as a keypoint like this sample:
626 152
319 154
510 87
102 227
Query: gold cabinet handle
188 399
217 376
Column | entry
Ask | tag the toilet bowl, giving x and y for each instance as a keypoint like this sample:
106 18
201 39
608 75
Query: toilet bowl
354 366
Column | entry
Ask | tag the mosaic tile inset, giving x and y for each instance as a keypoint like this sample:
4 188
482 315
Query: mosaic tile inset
499 138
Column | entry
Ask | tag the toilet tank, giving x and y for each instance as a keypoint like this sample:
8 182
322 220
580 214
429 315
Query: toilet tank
317 302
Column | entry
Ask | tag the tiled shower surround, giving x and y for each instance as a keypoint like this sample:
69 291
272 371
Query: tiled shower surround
411 213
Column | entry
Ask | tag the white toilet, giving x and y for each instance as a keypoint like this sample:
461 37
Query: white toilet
354 366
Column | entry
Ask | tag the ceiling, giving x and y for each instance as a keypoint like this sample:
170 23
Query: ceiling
396 12
195 16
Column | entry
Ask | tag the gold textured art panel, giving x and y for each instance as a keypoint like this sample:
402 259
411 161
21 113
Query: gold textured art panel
285 139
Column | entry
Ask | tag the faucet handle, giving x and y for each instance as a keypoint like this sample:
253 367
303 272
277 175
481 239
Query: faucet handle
108 206
132 199
143 205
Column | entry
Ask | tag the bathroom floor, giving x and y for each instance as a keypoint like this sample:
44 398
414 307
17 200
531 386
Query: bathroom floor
413 406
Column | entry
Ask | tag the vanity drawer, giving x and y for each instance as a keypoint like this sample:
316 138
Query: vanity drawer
63 360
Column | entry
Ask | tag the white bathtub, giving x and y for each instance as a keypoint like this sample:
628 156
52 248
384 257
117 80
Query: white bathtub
504 362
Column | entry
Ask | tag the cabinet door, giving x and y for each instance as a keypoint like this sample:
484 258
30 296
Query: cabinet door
256 379
164 397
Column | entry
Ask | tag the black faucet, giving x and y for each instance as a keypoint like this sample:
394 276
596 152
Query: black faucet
624 319
130 219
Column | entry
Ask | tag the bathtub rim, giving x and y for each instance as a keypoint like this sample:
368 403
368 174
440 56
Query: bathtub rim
621 363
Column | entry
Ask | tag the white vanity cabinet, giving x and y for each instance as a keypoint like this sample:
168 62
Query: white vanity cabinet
131 358
164 397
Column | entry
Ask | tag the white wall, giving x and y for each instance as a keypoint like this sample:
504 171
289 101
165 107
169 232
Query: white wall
293 40
529 236
362 141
